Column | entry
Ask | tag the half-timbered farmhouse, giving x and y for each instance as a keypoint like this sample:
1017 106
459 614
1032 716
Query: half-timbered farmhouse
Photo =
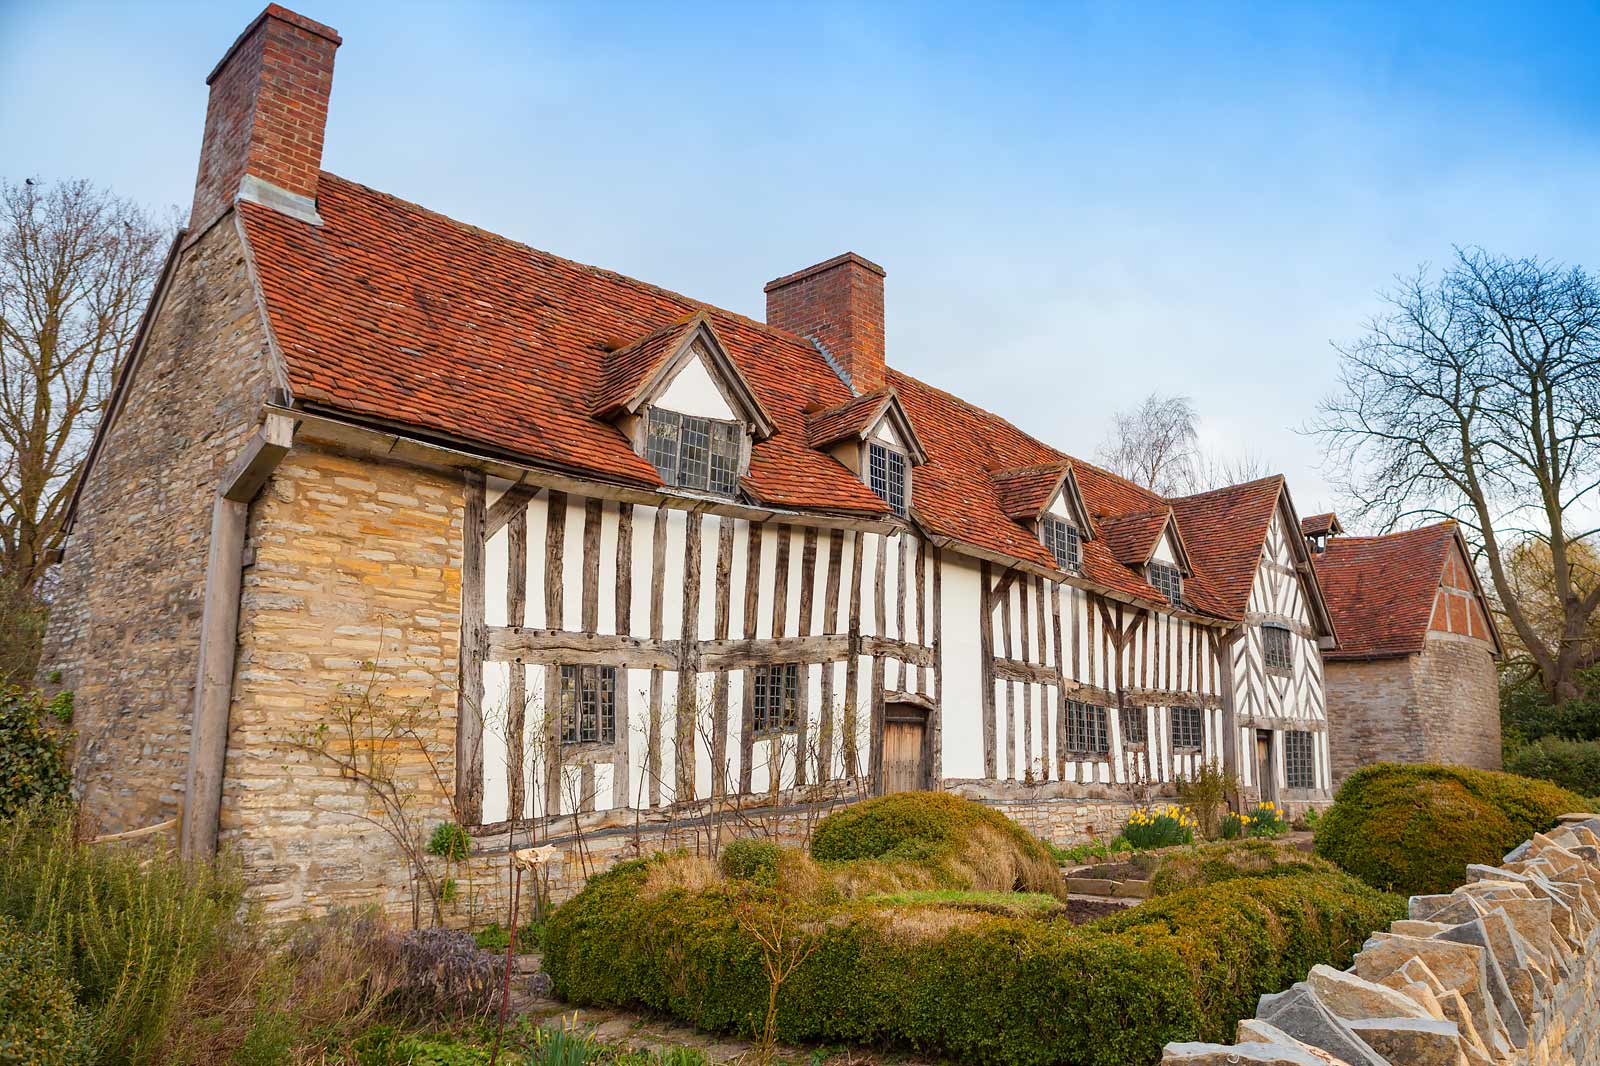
613 551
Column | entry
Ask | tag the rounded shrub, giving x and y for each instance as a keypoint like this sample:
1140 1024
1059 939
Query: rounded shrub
1415 829
966 986
40 1021
965 844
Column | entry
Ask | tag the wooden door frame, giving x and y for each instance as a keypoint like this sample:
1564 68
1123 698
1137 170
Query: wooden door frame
1267 777
909 707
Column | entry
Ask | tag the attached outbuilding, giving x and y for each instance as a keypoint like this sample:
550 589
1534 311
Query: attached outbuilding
1413 678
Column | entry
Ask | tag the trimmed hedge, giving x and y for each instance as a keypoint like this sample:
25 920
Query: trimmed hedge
965 844
1414 829
1213 863
1572 764
971 987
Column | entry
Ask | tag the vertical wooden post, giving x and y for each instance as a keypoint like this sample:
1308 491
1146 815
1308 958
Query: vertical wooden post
219 633
469 688
986 670
517 694
555 558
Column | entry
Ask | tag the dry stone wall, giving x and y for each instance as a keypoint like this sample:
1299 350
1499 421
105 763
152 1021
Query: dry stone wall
1504 971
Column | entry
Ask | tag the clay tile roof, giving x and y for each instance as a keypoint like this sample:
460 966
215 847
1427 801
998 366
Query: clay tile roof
1380 590
1224 531
1321 525
1132 537
1025 491
626 369
392 313
850 419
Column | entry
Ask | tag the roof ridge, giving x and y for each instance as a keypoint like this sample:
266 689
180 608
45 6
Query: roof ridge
777 333
1436 527
1234 488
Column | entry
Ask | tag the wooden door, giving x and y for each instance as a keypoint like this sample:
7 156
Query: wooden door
1266 783
903 766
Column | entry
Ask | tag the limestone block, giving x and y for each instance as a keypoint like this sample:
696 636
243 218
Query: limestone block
1411 1041
1298 1012
1256 1031
1349 996
1412 927
1451 909
1254 1054
1456 966
1493 979
1420 994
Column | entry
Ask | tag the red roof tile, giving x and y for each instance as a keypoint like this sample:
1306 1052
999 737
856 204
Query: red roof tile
1380 590
1320 525
850 419
1225 531
1132 537
1025 491
626 369
396 313
392 311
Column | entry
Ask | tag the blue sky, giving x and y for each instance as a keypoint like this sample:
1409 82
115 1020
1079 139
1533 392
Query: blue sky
1074 203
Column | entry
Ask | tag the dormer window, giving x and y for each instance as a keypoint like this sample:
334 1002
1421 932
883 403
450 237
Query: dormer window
886 475
694 453
1061 537
1168 580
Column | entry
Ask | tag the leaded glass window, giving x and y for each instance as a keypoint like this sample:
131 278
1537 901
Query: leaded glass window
1062 540
777 698
1276 648
886 474
1299 762
694 453
1168 580
1134 725
1086 729
588 705
1188 728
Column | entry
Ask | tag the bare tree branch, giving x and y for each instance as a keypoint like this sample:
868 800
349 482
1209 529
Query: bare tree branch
76 268
1476 396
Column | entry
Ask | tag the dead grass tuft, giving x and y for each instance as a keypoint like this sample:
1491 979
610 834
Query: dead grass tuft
919 925
692 873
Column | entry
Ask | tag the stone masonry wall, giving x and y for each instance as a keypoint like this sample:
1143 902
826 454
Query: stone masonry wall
1504 970
125 633
1458 701
1370 702
1439 705
352 606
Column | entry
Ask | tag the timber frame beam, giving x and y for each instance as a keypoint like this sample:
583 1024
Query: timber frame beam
219 632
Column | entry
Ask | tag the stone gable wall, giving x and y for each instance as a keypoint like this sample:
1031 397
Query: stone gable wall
125 632
1504 970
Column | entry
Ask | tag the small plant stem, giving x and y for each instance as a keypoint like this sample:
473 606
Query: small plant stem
505 987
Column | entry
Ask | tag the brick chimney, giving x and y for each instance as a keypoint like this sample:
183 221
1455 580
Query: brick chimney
266 117
838 305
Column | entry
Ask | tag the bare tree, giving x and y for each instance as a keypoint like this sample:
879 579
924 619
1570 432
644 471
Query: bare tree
76 268
1218 472
1157 444
1476 397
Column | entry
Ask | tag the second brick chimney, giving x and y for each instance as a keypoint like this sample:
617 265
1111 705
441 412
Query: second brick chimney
266 117
838 305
